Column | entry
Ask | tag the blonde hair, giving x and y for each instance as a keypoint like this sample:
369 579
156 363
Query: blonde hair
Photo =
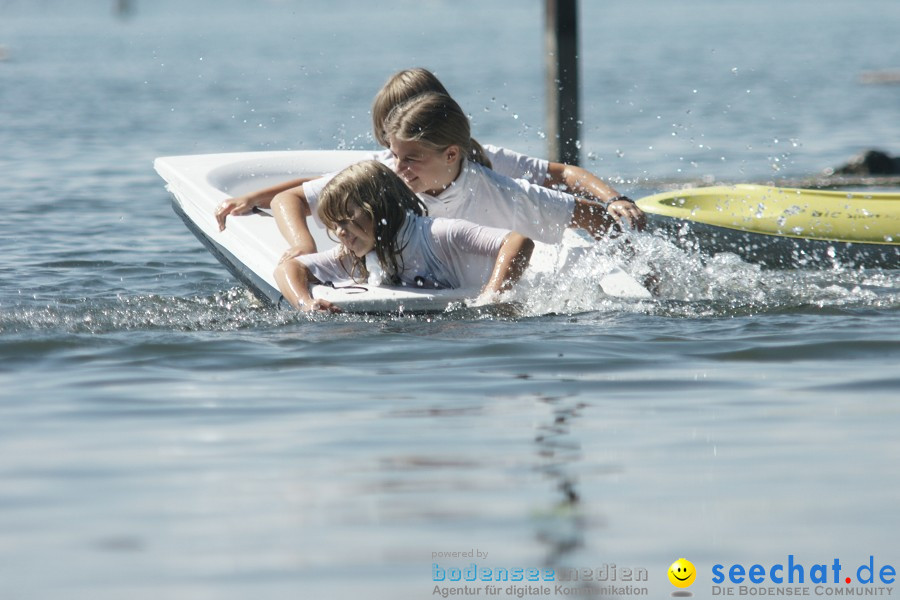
401 87
436 121
381 194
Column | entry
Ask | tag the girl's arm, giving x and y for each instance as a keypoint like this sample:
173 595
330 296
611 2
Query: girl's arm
293 279
242 205
581 182
513 257
291 209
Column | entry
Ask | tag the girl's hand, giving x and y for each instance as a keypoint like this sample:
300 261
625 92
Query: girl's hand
485 298
627 212
292 252
241 205
321 305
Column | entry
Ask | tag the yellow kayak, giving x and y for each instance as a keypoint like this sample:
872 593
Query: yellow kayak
784 226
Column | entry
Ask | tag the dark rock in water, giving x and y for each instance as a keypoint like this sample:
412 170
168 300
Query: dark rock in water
870 162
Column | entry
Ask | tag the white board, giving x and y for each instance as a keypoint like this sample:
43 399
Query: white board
251 245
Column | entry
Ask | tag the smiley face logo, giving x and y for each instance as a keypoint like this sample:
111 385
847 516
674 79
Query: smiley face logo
682 573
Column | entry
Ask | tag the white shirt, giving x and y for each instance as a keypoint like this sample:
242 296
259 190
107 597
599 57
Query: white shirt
484 196
503 161
437 253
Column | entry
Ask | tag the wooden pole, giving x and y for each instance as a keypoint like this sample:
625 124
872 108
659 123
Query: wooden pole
123 8
561 47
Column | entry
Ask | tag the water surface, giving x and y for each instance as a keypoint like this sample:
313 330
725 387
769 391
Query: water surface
163 435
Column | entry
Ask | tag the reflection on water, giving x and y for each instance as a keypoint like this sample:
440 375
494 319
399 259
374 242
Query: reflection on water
561 527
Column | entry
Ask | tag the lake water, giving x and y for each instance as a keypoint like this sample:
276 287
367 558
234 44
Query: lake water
163 436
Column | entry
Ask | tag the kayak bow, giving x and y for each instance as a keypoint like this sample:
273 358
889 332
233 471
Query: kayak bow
783 226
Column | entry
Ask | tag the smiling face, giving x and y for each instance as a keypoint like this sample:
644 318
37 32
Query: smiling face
356 232
424 169
682 573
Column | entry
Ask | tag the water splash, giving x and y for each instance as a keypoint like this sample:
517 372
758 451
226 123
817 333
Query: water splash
690 284
686 284
230 310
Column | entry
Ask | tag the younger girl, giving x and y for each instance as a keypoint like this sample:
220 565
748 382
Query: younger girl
377 219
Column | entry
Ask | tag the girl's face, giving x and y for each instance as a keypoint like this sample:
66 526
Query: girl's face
357 232
423 169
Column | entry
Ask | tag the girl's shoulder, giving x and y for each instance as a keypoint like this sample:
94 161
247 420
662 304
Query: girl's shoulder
414 220
414 226
517 165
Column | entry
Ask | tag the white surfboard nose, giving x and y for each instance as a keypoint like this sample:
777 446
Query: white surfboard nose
620 284
575 255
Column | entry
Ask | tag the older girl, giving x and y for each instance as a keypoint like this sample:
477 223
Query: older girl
430 142
406 84
377 219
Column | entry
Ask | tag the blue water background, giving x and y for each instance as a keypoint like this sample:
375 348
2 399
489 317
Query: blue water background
163 436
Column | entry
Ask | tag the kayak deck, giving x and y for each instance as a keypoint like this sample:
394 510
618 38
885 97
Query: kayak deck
784 226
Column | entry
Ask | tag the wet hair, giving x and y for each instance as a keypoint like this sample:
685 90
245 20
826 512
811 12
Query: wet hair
384 197
400 88
436 121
